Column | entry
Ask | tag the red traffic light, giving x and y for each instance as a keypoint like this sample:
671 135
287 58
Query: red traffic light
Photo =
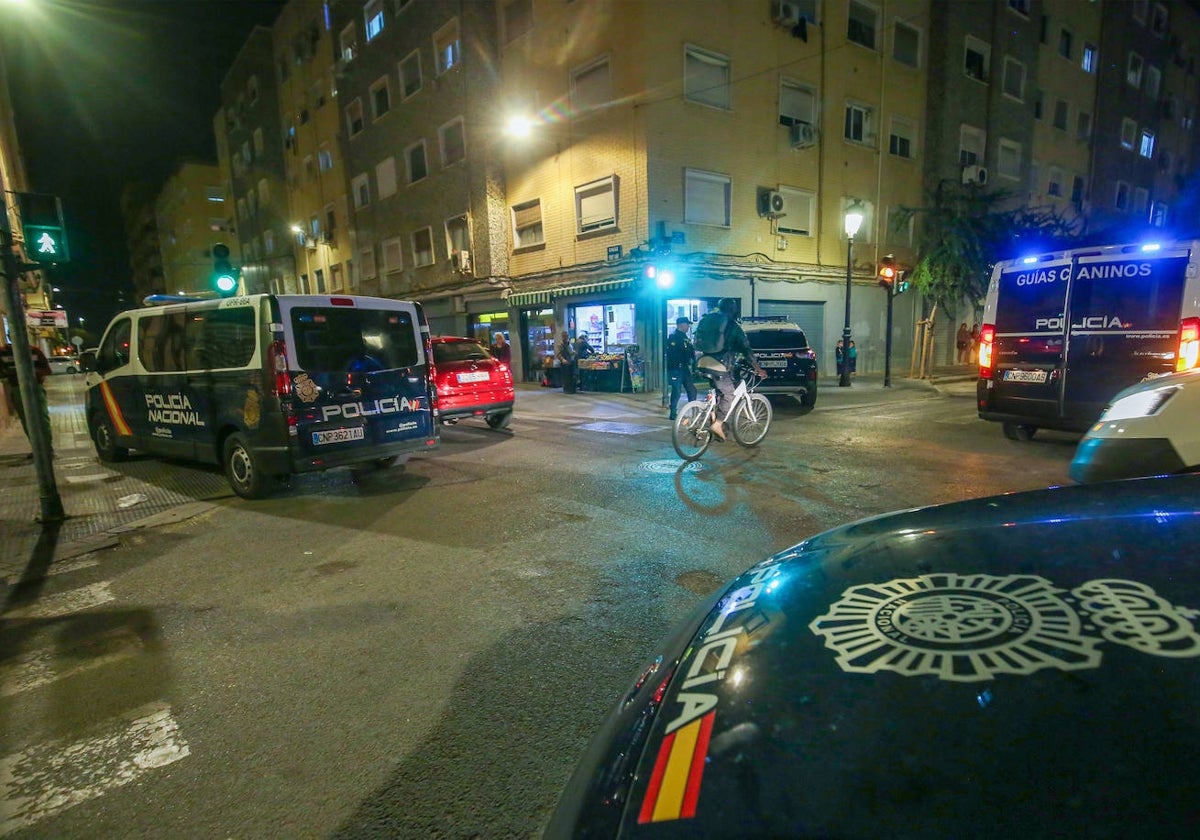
887 271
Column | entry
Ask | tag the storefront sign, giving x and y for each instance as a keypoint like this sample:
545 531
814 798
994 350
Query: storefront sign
46 318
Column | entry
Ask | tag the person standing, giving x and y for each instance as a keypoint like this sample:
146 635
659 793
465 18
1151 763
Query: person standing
962 343
501 349
12 389
566 361
681 356
975 334
852 358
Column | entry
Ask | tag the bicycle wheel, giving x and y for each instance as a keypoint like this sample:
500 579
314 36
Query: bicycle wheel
689 434
751 420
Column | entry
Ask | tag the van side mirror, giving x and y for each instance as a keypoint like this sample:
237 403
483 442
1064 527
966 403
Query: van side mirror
87 360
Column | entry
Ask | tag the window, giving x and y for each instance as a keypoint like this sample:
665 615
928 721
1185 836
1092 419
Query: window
361 188
354 117
860 124
1008 159
1128 133
906 45
325 157
410 74
385 177
706 198
518 19
367 259
1158 20
1021 7
446 47
1014 79
1159 213
422 246
1065 39
264 192
458 235
268 242
1153 81
863 24
800 204
706 77
1146 144
373 17
330 219
596 205
1078 191
902 138
797 103
417 166
977 57
1141 200
1054 184
1122 196
1133 70
381 98
393 256
527 224
348 43
972 143
591 86
336 281
258 143
1083 126
1091 58
453 141
1061 112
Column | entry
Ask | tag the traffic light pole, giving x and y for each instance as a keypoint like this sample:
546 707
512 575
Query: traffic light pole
32 397
887 343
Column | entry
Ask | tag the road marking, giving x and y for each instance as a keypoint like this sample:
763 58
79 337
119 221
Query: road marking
46 779
31 670
65 603
56 569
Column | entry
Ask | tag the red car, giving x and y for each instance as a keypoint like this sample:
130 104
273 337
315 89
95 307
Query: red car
471 382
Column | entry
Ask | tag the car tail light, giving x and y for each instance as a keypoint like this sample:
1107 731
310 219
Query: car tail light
279 367
987 338
1189 344
431 378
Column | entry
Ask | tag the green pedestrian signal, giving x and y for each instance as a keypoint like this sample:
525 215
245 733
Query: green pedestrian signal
43 227
224 277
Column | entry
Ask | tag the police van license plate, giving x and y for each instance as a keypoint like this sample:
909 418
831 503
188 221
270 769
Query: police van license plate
778 363
477 376
337 435
1024 376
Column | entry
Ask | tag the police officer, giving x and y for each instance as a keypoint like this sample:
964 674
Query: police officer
12 391
681 356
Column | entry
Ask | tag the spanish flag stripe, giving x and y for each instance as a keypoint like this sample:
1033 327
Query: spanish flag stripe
114 410
660 766
679 765
692 792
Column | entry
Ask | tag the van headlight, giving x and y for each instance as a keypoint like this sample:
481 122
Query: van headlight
1141 404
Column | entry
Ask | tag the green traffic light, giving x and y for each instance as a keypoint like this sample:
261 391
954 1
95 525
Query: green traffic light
225 283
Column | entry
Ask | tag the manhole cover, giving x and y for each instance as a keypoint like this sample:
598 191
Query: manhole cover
672 466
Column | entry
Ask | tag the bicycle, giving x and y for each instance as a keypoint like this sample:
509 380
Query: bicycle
750 411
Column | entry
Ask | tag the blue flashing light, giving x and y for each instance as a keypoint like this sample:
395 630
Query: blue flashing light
1151 246
1029 260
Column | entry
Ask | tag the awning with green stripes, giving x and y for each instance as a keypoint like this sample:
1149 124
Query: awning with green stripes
518 300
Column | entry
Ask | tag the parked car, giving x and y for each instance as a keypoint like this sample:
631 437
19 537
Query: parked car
1019 665
471 382
1147 429
63 364
783 351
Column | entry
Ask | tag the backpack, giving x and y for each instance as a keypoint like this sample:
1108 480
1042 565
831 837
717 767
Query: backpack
710 333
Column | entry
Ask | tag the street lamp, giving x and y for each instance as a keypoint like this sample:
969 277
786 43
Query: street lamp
854 218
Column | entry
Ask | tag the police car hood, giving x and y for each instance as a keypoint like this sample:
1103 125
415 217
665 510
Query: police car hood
1022 665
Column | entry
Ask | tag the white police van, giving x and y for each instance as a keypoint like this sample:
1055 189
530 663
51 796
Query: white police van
1065 331
265 385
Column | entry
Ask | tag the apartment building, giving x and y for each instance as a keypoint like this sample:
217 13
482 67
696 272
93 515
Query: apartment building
250 152
141 236
319 218
191 215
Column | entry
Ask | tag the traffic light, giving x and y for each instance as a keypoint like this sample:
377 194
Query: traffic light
42 224
664 278
224 278
888 272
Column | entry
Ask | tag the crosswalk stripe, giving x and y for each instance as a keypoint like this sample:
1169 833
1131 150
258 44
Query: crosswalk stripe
57 569
31 670
49 778
65 603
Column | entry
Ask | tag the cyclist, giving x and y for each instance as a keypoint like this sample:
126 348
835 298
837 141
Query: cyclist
721 365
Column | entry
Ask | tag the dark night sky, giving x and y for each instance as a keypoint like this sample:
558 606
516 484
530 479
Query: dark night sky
108 91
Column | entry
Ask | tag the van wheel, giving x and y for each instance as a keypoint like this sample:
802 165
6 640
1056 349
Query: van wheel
1019 431
499 421
809 399
243 470
105 439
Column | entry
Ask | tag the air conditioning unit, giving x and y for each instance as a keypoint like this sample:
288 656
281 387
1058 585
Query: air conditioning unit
784 13
310 243
803 135
772 204
462 261
975 175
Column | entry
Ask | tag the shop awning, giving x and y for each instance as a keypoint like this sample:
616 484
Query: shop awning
521 299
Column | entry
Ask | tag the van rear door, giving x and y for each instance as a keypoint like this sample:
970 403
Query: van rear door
359 378
1124 324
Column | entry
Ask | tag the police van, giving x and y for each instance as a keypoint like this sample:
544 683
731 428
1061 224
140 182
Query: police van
265 385
1063 332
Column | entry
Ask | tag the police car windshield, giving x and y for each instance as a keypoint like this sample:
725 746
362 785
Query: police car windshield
777 339
336 339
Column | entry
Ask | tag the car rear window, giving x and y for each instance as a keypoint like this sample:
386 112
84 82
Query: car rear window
777 339
337 339
459 351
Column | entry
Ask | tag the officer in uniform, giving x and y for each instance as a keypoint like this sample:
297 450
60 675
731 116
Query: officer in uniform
681 356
